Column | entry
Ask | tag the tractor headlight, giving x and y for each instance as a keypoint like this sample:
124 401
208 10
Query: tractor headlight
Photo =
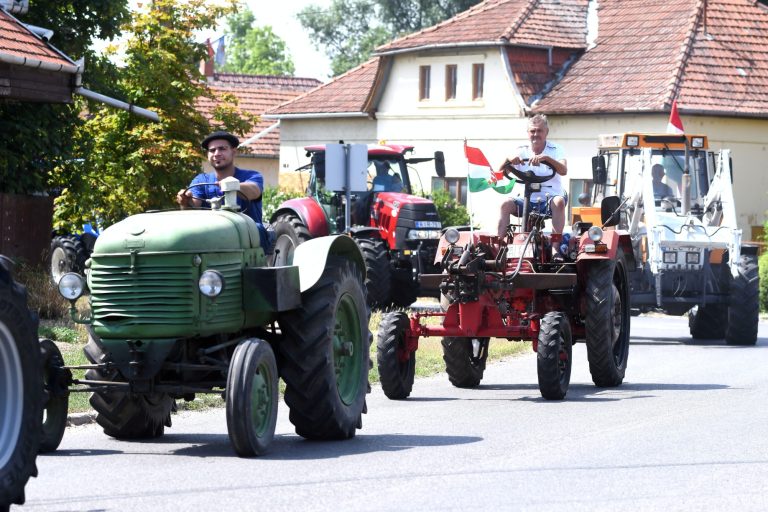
71 286
451 235
697 142
211 283
595 233
670 257
423 234
692 258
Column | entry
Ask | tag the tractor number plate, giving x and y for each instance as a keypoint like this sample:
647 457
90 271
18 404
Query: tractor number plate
516 251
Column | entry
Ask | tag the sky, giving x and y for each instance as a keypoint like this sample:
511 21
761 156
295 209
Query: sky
309 62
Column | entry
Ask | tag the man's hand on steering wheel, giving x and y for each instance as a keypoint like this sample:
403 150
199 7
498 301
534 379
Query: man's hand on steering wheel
512 172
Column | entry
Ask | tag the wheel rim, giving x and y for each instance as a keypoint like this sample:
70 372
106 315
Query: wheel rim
616 317
11 395
284 248
347 345
261 399
58 263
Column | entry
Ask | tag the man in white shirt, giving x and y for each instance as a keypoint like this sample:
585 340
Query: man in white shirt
539 150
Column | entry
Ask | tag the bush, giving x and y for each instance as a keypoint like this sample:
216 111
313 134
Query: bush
273 197
44 298
451 213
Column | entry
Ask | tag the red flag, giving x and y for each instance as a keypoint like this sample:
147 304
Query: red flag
675 125
210 48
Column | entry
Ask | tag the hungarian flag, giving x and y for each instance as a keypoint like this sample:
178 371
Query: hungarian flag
481 175
675 125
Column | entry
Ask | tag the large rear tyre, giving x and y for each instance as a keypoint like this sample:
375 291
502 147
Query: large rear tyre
68 254
607 321
397 366
708 322
465 360
744 303
252 396
56 396
377 282
290 232
123 415
21 396
325 355
554 356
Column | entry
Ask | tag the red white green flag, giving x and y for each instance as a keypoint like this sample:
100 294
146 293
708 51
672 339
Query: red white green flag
675 125
480 174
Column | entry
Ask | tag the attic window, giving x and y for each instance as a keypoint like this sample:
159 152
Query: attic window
424 82
478 77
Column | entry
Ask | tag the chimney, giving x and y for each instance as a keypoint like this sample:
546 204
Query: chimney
206 66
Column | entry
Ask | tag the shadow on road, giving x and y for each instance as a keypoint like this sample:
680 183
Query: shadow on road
293 447
696 342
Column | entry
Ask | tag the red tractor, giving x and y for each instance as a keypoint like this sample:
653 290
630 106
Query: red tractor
551 289
397 231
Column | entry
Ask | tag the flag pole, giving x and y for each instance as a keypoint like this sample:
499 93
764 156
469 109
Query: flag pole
469 198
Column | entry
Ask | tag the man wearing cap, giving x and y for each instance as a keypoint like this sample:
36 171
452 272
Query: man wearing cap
221 148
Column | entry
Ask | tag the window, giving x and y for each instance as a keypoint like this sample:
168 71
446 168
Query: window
450 82
456 188
478 76
424 82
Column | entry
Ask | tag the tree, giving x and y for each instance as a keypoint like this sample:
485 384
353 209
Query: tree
130 164
254 50
350 30
38 137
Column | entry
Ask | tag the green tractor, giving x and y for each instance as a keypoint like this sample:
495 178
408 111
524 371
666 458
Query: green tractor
184 302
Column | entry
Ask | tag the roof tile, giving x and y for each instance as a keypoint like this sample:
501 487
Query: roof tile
17 41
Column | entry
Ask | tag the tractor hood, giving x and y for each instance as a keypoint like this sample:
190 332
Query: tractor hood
182 231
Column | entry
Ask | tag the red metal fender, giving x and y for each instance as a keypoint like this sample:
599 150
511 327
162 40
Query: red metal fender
613 239
310 213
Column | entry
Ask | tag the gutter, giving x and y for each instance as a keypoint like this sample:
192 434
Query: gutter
448 46
16 60
315 115
129 107
261 134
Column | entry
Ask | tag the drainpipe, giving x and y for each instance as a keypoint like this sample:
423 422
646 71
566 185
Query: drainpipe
133 109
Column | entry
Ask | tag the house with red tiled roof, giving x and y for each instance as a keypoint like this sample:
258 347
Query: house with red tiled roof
593 66
255 94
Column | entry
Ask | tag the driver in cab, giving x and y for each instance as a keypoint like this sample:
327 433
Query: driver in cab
531 156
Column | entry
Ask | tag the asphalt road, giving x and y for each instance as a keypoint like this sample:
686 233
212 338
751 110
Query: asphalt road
686 431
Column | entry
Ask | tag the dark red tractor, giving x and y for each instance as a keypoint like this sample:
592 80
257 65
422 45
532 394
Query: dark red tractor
396 230
529 285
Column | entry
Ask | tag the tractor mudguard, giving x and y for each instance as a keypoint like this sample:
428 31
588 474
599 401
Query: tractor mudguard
310 213
365 232
311 257
613 239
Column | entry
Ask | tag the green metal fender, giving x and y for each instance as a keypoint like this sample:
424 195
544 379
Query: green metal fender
311 257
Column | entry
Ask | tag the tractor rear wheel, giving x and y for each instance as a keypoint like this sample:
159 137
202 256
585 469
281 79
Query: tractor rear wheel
377 283
744 303
464 368
21 399
120 414
325 355
56 396
252 396
290 232
708 322
607 321
397 366
68 254
554 356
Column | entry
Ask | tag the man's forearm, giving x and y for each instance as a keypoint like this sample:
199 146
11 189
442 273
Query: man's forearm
251 190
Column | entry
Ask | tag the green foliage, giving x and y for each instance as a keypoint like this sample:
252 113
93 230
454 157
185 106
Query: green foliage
39 137
254 50
130 164
60 333
349 30
763 273
273 197
451 213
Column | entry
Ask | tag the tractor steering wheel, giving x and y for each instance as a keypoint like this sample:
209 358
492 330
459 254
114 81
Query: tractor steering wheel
512 172
243 207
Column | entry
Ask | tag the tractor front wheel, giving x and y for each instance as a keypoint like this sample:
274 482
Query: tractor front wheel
465 360
607 321
325 355
554 356
21 392
290 232
377 283
708 322
397 366
252 396
56 396
744 303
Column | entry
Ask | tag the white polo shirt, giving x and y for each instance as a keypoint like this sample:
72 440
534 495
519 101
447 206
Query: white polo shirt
554 186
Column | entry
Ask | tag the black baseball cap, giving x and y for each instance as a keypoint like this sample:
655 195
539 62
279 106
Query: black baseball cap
233 141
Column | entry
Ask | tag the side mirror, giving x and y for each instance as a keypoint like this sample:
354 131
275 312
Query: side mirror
599 173
584 199
440 164
609 211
